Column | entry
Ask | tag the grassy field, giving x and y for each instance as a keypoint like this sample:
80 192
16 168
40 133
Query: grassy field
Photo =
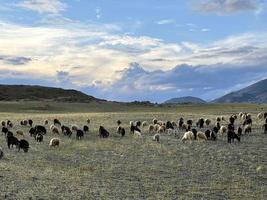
130 168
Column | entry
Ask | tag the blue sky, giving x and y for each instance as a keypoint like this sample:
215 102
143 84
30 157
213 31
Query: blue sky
134 50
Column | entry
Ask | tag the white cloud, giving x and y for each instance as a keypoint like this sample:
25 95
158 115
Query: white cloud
165 21
43 6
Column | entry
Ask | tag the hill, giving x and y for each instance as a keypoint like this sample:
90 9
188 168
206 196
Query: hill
40 93
256 93
185 100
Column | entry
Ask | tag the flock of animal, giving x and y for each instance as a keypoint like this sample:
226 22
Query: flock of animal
206 131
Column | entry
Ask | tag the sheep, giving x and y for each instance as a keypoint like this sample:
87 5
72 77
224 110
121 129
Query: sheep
1 153
40 129
155 121
79 134
232 120
174 124
207 122
231 135
121 131
74 128
184 127
85 129
208 134
200 123
231 127
189 122
223 130
260 116
181 122
118 122
265 115
24 122
39 137
169 125
138 123
162 129
156 137
11 140
57 122
52 126
201 136
24 145
20 133
55 130
247 129
265 128
144 123
248 121
223 118
9 134
213 135
30 122
4 130
218 125
103 133
131 123
156 127
9 124
66 131
46 122
3 123
54 142
88 121
188 136
151 128
160 123
240 115
218 119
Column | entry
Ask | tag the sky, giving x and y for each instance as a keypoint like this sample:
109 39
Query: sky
126 50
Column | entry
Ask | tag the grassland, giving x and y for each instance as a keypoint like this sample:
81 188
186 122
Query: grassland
129 168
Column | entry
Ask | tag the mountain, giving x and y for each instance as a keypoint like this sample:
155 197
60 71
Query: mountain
185 100
40 93
256 93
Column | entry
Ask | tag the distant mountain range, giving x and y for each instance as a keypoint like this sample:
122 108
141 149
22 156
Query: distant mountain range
185 100
40 93
256 93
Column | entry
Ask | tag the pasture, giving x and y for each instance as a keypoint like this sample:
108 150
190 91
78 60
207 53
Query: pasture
128 167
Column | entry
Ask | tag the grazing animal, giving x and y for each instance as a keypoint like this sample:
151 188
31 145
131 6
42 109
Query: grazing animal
54 142
85 129
66 131
161 129
231 127
30 122
118 122
231 135
208 134
9 124
181 122
223 130
24 145
3 123
151 128
88 121
232 120
174 124
156 137
121 131
79 134
20 133
265 128
57 122
9 133
46 122
188 136
207 122
11 140
201 136
218 119
138 134
169 125
55 130
40 129
4 130
74 127
39 137
200 123
218 125
155 121
248 121
103 133
189 122
260 116
1 153
247 129
144 123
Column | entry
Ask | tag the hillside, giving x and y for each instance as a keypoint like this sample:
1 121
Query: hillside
185 100
40 93
256 93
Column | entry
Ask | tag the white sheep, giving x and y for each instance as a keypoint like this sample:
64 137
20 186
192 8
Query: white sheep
174 124
144 123
54 142
151 128
154 121
55 130
156 137
247 129
223 130
52 126
240 114
188 136
137 134
20 133
260 116
162 129
201 136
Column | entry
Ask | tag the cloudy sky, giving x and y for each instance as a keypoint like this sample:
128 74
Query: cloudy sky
128 50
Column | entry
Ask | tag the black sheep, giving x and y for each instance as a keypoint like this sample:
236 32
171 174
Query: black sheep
11 140
195 133
30 122
265 115
231 135
189 122
218 125
40 129
208 134
66 131
232 119
215 129
169 125
39 137
86 129
79 134
181 122
231 127
4 130
201 123
138 123
248 121
103 133
132 129
9 134
265 128
213 135
32 132
121 131
23 144
57 122
119 122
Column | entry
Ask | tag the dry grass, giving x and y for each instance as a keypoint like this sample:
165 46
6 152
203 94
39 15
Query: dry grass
127 168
